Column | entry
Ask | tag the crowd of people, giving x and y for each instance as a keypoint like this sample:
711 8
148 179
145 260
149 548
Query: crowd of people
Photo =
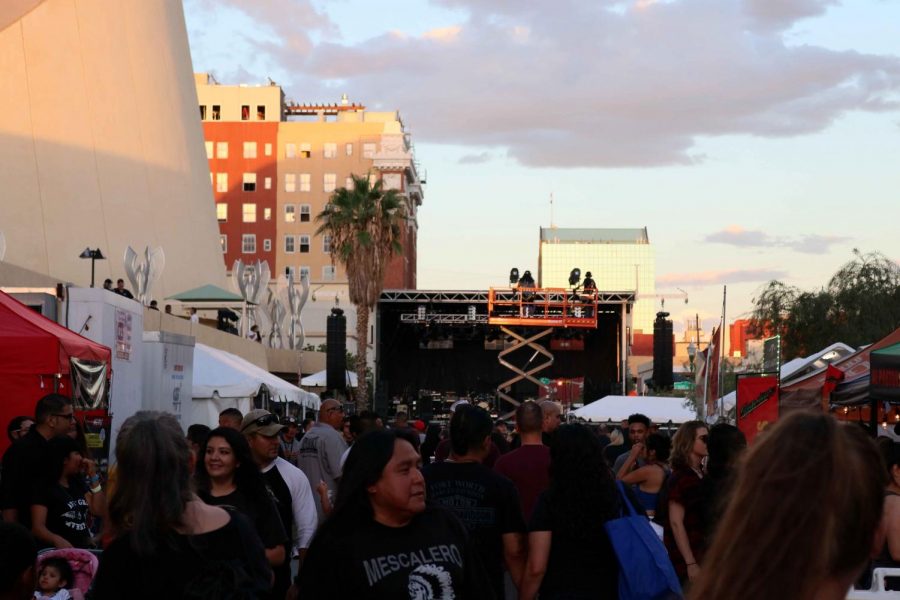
344 506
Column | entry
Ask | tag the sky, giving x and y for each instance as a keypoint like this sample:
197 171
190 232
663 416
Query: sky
755 139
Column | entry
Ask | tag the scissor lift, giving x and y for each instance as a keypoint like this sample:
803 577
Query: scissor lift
536 307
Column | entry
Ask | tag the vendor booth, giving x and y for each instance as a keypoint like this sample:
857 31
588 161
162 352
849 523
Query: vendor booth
222 380
38 356
614 409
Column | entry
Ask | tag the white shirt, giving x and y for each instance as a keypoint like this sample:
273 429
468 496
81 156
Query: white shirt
195 318
302 502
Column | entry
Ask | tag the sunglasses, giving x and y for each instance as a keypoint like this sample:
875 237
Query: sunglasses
263 421
339 409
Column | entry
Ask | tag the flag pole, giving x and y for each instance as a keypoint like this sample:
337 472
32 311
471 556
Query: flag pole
709 349
721 373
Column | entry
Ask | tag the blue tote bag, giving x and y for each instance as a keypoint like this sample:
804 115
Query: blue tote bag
645 571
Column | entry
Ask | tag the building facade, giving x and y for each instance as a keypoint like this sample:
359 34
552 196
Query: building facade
619 260
273 175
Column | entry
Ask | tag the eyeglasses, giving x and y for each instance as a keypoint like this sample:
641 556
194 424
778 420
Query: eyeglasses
69 416
704 438
262 421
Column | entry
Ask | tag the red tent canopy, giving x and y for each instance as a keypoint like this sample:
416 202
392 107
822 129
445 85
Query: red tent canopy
33 351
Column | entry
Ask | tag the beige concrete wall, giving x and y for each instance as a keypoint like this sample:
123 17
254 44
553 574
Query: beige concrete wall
230 99
100 144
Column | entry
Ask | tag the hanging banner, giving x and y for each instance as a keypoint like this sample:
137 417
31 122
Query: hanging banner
757 403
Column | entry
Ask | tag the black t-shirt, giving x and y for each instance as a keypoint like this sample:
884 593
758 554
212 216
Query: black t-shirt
24 464
487 504
212 563
428 558
263 516
67 510
580 567
281 494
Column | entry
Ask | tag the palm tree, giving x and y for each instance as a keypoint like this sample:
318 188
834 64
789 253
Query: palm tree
364 223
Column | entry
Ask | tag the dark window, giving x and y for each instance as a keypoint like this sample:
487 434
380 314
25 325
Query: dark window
245 112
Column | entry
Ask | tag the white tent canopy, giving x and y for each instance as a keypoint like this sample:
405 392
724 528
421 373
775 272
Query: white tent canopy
320 379
230 381
660 410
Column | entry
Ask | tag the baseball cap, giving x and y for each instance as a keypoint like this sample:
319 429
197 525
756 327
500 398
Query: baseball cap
262 422
289 421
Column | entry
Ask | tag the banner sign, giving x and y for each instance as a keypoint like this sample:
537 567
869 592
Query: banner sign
757 403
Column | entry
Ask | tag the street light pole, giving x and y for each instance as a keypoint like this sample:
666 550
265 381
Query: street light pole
692 353
94 254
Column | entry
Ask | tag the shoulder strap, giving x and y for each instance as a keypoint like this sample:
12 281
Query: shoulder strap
626 503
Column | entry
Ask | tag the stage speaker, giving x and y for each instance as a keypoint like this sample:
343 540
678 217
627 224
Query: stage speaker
336 353
662 352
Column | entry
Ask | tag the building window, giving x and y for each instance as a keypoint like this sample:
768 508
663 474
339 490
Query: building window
249 182
305 150
326 244
223 241
267 214
267 182
349 149
209 150
328 273
348 183
305 210
304 272
289 215
290 270
202 112
245 112
222 212
249 212
216 112
260 112
267 245
289 242
392 181
248 243
329 182
249 149
222 150
221 182
290 150
304 244
268 149
369 150
304 182
290 182
330 150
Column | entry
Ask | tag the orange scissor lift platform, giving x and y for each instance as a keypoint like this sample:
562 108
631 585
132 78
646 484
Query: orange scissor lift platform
545 308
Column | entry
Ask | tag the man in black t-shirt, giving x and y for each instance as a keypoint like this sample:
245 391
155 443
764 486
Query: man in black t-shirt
24 463
487 503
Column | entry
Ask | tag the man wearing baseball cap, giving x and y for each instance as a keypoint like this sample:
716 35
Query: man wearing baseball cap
293 495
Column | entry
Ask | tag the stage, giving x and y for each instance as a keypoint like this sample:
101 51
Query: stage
446 344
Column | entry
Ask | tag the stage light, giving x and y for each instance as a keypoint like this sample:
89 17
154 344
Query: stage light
574 276
513 276
471 312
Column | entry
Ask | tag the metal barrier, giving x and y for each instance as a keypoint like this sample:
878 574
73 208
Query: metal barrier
877 591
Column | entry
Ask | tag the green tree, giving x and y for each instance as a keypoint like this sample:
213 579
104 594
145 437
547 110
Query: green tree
364 222
859 305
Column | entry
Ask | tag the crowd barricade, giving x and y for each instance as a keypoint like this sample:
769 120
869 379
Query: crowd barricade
877 591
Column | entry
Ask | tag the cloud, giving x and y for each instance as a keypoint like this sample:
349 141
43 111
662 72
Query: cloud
585 83
702 278
475 159
734 235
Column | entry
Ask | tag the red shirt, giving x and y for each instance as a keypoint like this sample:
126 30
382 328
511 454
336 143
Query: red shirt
529 469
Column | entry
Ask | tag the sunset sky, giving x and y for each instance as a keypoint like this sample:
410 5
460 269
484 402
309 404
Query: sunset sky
755 139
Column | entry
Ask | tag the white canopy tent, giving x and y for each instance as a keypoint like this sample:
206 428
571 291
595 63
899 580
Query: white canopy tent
614 409
320 379
223 380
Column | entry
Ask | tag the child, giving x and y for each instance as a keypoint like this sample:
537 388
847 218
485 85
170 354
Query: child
55 576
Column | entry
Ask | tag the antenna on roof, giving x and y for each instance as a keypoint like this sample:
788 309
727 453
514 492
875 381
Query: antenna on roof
552 224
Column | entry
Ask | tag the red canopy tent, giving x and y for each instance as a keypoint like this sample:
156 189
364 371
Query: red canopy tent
35 359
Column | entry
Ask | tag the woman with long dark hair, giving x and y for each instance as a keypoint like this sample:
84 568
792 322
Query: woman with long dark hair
168 543
803 517
227 476
569 554
684 527
382 541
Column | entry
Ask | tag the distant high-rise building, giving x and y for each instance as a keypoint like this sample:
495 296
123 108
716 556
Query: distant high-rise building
272 176
618 259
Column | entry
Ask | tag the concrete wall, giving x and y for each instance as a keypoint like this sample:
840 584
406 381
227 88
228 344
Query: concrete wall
100 141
